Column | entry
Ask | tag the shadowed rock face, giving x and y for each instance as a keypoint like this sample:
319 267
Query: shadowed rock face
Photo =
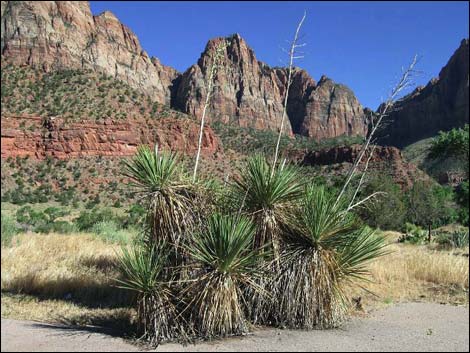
441 105
64 34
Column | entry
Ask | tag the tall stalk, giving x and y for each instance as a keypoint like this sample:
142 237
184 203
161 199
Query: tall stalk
292 56
212 72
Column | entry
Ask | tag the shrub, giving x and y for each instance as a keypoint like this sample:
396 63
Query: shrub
385 211
60 227
135 215
455 239
227 264
160 180
144 272
267 195
452 143
462 200
29 217
430 205
9 229
325 249
413 234
87 219
110 232
54 212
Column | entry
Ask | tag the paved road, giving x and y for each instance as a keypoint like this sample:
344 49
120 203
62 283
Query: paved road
404 327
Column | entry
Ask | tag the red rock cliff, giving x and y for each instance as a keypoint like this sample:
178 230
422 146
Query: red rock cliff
39 138
388 160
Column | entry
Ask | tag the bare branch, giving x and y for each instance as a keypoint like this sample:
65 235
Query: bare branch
289 82
402 83
365 200
361 181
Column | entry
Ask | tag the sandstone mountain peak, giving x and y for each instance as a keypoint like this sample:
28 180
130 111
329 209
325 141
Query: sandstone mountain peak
250 93
108 15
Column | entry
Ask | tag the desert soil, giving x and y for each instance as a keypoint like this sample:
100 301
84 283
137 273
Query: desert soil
402 327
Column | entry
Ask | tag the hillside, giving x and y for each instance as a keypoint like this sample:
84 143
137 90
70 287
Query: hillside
77 113
446 169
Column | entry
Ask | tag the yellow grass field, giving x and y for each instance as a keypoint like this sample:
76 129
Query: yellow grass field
70 278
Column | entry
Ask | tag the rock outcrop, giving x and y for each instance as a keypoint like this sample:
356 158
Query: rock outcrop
64 34
38 138
330 110
441 105
249 93
386 160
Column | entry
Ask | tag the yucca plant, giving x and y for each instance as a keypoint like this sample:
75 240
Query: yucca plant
225 264
158 177
267 195
144 272
325 249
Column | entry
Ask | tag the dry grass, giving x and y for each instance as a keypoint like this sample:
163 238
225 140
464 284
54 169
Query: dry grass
69 278
417 273
62 278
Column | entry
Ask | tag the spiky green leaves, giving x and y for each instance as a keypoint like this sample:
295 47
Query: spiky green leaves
268 197
227 264
265 191
150 171
319 221
142 268
158 177
224 245
144 272
325 248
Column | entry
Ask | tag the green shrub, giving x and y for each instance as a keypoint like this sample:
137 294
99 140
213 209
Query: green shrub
388 210
9 229
413 234
452 143
455 239
110 232
60 227
135 215
430 205
28 216
54 212
461 197
87 219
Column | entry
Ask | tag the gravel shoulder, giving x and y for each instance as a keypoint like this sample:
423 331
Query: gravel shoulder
399 328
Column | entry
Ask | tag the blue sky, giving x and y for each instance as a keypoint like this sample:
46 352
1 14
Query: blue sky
360 44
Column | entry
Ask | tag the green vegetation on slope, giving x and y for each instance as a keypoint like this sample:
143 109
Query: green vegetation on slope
251 141
447 152
74 95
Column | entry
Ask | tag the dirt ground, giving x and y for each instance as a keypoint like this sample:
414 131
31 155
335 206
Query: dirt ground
403 327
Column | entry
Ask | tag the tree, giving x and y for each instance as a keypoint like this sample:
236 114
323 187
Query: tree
388 210
462 200
453 143
428 205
